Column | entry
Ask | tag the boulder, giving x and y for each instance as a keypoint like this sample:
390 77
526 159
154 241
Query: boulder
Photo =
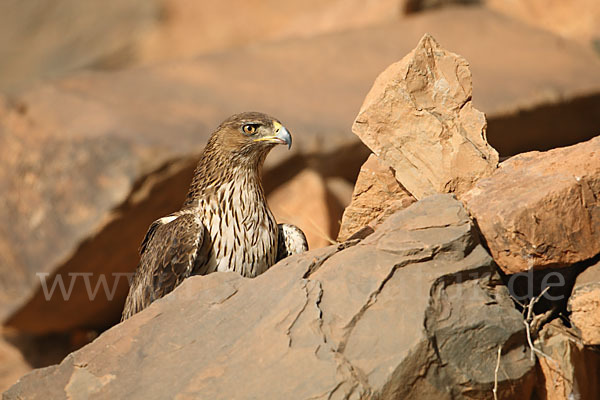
584 305
569 370
377 195
541 210
419 119
413 311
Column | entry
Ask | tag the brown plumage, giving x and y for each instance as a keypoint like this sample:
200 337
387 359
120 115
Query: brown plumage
225 223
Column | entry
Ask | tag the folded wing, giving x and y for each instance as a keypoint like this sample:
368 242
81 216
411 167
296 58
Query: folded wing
291 241
171 251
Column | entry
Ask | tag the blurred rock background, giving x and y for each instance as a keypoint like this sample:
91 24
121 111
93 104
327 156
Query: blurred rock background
105 107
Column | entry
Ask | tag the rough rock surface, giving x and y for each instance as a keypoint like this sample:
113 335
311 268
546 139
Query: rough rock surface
571 372
412 311
377 195
584 305
164 114
420 120
541 210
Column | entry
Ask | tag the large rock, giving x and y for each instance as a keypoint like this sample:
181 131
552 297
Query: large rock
584 305
71 34
569 370
41 40
576 19
420 120
190 28
541 210
157 120
377 195
410 312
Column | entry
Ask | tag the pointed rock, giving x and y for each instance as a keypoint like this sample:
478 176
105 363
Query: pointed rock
419 119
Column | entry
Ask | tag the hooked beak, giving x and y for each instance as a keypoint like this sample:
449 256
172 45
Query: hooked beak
282 136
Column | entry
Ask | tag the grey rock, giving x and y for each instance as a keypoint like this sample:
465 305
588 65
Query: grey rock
412 311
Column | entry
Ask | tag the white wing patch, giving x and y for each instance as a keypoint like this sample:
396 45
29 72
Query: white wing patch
166 220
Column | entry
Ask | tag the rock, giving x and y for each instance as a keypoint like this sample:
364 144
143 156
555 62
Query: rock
377 195
159 118
56 192
12 365
339 195
39 40
410 312
584 305
575 19
303 202
419 119
191 28
572 371
74 35
551 218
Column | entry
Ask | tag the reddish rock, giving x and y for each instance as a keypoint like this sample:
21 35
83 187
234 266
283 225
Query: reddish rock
541 210
12 364
575 19
40 40
571 371
584 305
377 195
339 195
190 28
302 201
419 119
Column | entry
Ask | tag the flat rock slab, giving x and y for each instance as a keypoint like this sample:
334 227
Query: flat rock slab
410 312
541 210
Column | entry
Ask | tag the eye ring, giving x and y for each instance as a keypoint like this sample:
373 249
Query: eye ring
250 129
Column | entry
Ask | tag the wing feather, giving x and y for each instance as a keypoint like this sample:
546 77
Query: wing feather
291 241
170 252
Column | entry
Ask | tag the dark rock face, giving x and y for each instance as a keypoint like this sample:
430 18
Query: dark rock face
409 312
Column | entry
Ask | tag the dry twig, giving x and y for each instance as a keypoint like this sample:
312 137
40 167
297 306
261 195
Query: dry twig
528 321
495 390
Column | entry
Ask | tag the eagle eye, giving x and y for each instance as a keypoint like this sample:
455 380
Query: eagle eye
250 129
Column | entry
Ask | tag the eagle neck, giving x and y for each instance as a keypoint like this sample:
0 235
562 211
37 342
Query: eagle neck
212 174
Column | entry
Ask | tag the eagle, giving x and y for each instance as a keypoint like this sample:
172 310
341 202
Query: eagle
225 223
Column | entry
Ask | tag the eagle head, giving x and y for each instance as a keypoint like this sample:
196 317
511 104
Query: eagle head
249 135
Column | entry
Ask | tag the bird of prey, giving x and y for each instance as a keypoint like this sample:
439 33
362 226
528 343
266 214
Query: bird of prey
225 223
